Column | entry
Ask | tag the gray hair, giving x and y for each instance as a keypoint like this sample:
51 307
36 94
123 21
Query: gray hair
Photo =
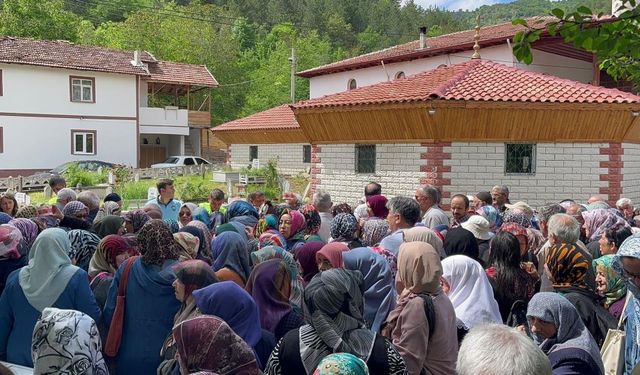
545 212
89 199
431 192
623 202
408 208
565 227
503 189
498 349
217 194
66 194
322 201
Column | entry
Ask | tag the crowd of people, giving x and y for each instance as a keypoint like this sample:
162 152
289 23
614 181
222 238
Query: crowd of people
250 286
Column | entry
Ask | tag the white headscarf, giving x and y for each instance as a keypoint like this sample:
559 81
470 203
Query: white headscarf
49 270
66 342
470 291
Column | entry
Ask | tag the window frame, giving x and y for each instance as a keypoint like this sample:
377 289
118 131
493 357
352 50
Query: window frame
251 152
355 84
306 154
85 132
533 156
81 78
358 168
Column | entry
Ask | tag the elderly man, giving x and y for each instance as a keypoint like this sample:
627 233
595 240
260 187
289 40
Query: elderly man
322 201
459 209
500 197
563 229
257 199
428 198
486 347
404 213
625 206
64 196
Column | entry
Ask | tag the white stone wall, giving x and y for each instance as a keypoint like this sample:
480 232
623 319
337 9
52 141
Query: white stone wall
631 172
289 156
397 170
563 170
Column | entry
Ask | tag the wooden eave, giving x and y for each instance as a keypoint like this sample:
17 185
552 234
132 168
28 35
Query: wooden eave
261 136
463 121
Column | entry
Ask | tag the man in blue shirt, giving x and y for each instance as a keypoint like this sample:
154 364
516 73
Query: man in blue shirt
169 206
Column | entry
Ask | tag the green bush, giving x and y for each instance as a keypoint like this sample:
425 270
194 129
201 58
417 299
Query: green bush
271 187
76 175
134 190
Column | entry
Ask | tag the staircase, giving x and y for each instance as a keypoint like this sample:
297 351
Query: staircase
188 147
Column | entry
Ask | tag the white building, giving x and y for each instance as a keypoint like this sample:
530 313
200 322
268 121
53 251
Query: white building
61 102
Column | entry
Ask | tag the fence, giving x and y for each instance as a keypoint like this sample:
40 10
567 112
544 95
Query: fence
38 183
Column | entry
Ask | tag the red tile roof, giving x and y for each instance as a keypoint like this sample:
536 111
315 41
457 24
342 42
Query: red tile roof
188 74
277 118
476 80
459 41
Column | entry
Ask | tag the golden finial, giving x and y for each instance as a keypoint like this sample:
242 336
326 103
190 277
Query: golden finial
476 45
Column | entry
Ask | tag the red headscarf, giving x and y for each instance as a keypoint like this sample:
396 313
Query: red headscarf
378 205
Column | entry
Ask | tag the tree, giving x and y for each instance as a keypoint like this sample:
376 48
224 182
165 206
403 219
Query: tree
615 42
38 19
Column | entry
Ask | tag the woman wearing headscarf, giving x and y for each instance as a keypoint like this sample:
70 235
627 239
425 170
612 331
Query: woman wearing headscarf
424 234
373 231
270 286
333 300
108 208
306 258
379 289
185 215
344 228
330 256
341 208
460 241
292 225
313 220
84 244
466 284
75 209
522 236
558 330
567 267
343 364
110 224
150 300
237 308
377 207
49 280
509 279
27 212
188 246
626 263
206 344
491 214
598 221
609 285
13 252
28 228
231 259
190 275
268 234
204 241
274 252
110 253
135 220
423 323
65 342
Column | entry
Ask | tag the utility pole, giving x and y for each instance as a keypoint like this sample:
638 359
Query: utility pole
292 62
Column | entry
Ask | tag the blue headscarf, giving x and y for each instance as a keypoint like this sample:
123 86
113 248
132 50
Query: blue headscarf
230 251
4 218
380 294
241 208
201 214
228 301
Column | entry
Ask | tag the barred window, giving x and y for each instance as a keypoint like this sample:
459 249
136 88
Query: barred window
306 153
365 158
520 158
253 152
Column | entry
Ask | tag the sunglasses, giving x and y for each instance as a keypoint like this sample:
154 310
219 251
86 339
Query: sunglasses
184 214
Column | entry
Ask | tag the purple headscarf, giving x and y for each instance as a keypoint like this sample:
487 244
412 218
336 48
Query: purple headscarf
28 228
306 256
270 286
599 220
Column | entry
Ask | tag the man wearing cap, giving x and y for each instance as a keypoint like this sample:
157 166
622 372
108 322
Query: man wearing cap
479 226
428 198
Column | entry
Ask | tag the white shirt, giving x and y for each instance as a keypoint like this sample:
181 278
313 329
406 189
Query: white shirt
434 217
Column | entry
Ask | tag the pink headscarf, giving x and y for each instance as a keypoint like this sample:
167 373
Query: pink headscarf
333 252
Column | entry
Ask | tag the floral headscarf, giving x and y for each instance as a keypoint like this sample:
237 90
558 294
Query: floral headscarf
28 228
137 218
343 364
599 220
517 216
490 213
10 242
189 245
568 266
73 208
616 288
312 218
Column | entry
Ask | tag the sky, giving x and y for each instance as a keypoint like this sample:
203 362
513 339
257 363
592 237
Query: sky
458 4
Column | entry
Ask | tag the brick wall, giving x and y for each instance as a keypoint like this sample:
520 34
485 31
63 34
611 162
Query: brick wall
289 156
631 172
563 170
397 170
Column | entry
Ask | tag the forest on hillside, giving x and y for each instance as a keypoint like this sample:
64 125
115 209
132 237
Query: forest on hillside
246 43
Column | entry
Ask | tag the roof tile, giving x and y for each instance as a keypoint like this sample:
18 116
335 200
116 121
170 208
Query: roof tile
197 75
276 118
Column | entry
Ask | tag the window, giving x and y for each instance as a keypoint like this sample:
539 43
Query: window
365 158
400 75
83 142
520 158
83 89
253 152
352 84
201 161
189 161
306 153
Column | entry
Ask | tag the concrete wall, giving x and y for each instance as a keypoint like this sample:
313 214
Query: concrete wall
397 170
543 62
289 156
631 172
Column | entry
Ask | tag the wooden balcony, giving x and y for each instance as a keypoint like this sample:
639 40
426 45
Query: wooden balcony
199 119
